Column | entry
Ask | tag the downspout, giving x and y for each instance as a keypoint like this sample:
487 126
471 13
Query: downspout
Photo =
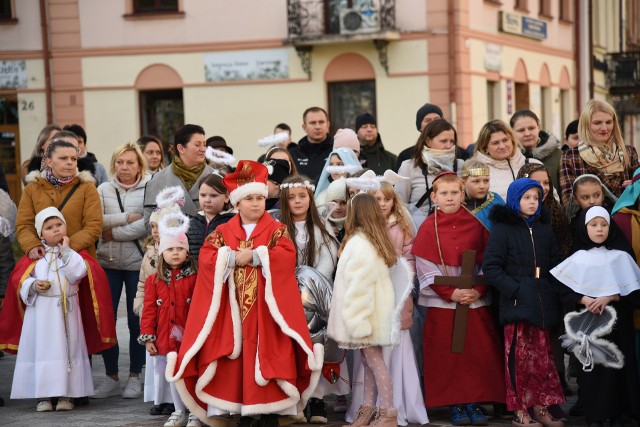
578 55
451 41
590 21
46 55
621 27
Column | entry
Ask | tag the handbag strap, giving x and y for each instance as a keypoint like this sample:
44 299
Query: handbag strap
427 194
69 194
135 242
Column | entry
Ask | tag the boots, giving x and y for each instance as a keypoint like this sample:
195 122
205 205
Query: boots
386 418
363 417
541 414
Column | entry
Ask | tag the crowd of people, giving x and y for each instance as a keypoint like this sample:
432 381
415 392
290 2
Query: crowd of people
446 276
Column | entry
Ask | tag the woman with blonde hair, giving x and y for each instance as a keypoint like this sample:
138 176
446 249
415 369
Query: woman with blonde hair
498 148
120 254
601 151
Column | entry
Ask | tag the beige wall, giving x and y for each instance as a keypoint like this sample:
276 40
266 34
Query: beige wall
25 35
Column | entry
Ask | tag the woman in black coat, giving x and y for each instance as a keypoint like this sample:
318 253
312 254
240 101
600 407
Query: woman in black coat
522 249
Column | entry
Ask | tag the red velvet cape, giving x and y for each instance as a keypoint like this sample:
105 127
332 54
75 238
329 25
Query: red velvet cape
94 298
246 346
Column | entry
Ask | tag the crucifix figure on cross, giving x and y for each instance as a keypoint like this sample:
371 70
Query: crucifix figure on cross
466 280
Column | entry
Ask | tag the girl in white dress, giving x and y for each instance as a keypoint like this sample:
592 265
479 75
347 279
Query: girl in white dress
53 360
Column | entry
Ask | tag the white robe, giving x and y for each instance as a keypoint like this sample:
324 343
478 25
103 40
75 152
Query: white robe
41 365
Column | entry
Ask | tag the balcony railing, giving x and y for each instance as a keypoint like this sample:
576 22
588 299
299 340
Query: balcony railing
623 72
318 19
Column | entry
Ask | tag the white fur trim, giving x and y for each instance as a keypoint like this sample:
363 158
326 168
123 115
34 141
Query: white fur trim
368 181
169 196
246 190
173 224
274 139
343 169
257 373
219 156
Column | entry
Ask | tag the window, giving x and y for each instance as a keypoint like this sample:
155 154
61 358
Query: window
161 113
522 6
493 100
347 100
565 11
6 10
545 9
155 6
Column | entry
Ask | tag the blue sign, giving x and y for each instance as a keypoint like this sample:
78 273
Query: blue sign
534 28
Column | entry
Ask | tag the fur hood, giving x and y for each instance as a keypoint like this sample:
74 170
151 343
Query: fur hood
548 145
502 214
84 164
85 176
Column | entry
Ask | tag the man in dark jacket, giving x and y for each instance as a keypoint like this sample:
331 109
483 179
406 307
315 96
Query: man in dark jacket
312 151
378 159
100 173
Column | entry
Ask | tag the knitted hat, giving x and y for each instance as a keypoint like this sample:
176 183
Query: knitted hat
337 190
169 200
172 229
278 170
346 138
44 215
365 119
249 178
424 110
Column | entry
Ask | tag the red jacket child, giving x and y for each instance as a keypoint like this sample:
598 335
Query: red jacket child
165 308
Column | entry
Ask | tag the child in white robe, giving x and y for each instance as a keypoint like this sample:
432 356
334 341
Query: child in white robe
53 360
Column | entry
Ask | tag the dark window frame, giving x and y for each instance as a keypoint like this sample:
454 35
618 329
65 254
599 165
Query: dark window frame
8 12
522 6
349 123
157 8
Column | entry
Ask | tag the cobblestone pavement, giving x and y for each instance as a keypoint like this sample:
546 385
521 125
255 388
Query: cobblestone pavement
115 411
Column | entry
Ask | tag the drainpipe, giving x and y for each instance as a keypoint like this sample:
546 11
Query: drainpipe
590 32
46 56
451 42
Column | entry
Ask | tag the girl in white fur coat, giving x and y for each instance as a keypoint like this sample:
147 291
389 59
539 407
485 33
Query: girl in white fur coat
365 308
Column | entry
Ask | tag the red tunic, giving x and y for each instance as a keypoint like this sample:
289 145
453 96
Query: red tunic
477 375
94 298
246 341
165 308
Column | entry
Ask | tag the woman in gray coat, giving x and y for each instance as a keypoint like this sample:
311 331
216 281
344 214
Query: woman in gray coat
120 254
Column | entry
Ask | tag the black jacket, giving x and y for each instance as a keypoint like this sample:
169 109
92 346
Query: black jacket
199 230
378 159
310 158
510 260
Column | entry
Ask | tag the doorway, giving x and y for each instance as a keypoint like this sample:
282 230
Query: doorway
522 96
10 146
161 114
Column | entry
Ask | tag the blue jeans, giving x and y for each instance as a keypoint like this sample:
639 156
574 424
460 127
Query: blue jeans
136 351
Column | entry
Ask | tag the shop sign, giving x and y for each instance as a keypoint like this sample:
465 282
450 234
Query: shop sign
513 23
13 74
264 64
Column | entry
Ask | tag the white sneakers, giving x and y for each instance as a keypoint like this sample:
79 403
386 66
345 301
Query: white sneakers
133 388
194 421
64 404
108 388
177 419
44 406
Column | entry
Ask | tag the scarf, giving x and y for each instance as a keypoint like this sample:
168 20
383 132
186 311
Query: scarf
187 175
57 182
128 186
438 160
515 192
607 158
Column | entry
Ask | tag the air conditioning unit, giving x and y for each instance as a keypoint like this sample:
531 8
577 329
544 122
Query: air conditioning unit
359 20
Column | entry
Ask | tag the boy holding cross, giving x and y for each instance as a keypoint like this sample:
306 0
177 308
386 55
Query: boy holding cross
460 369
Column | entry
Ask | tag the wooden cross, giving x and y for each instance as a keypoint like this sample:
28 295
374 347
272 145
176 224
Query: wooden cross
466 280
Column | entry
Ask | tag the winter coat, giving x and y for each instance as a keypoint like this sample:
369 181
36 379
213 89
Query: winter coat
82 212
407 153
148 266
199 230
310 158
33 164
362 307
326 255
165 311
513 252
121 253
166 178
503 172
378 159
549 152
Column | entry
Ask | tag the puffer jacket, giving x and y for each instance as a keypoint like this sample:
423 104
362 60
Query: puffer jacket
148 267
199 230
121 253
510 260
82 213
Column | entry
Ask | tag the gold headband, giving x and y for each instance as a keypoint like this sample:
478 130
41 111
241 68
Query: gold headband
476 172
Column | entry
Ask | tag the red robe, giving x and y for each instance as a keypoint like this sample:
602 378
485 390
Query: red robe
246 347
477 375
94 296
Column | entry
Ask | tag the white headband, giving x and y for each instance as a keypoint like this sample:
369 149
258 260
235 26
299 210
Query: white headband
597 211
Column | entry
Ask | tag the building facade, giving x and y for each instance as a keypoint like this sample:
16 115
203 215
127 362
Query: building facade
123 68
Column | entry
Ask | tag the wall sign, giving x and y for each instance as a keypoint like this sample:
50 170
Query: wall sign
264 64
13 74
520 25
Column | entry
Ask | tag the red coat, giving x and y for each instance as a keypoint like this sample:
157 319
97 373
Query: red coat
94 298
246 342
166 307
